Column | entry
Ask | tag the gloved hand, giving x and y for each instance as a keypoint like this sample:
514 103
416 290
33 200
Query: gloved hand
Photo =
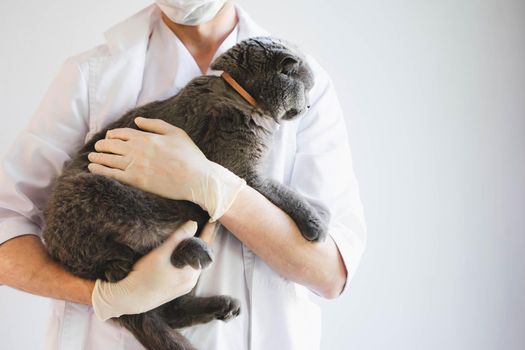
165 161
153 280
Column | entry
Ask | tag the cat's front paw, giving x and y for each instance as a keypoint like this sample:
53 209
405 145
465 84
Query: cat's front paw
313 228
192 251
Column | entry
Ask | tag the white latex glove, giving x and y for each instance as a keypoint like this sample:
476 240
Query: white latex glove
165 161
153 280
215 190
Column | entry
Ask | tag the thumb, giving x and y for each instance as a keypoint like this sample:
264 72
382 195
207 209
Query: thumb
185 231
157 126
208 232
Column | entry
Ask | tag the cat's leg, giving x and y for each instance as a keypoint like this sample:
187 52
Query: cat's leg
115 260
152 331
311 221
189 310
117 269
192 251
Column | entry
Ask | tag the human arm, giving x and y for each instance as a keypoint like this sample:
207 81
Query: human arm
153 280
130 155
277 241
25 265
280 244
27 168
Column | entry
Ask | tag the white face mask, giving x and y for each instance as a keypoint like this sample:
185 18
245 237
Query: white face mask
190 12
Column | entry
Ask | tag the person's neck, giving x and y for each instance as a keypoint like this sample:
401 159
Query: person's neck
203 40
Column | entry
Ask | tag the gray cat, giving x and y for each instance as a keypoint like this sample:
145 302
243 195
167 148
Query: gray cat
98 227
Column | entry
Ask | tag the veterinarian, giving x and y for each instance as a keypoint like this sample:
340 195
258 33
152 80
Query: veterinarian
260 256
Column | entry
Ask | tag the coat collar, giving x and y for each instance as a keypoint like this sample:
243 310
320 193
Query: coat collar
133 31
117 79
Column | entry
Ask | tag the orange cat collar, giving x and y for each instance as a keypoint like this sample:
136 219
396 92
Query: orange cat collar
235 85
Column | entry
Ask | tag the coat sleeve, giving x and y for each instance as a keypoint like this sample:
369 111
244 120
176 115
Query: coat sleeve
323 173
55 131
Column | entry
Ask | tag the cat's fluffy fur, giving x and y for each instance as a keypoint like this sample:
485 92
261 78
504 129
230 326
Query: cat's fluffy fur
98 227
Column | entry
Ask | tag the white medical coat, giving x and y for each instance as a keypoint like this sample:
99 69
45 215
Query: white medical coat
310 154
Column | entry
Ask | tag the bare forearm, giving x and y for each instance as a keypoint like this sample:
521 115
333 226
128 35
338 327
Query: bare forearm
271 234
25 265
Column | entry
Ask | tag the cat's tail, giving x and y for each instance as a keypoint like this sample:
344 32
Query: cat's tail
154 333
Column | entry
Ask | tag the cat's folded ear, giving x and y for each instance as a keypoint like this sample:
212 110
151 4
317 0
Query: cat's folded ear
288 63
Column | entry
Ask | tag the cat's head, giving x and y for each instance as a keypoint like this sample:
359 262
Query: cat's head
273 72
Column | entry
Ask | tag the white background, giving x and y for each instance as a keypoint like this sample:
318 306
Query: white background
434 95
